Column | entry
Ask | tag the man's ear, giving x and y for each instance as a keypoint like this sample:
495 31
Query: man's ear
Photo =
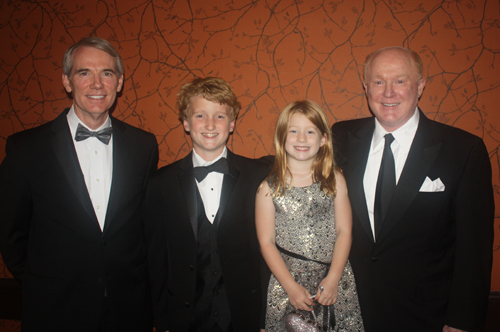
120 84
421 86
66 83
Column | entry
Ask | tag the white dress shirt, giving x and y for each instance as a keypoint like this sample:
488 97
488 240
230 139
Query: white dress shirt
96 163
403 139
211 186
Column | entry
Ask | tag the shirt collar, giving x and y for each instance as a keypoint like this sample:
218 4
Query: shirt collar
74 120
403 135
199 161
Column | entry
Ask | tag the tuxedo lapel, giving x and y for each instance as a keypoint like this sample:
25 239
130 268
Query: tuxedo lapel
188 187
423 152
359 147
64 148
121 149
227 187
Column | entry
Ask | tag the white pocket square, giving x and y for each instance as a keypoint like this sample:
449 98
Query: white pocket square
432 186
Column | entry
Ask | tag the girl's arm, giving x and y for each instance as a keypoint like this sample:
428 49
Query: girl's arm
266 233
343 226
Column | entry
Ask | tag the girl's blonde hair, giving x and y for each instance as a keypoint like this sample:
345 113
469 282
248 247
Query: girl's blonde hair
324 164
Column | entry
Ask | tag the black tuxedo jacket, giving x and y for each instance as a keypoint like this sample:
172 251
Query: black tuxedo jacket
171 224
431 263
51 240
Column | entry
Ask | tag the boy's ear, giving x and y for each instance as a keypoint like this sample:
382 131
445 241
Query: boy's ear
185 123
231 126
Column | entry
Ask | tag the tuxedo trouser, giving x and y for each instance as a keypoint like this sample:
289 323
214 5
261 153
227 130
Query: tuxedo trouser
107 323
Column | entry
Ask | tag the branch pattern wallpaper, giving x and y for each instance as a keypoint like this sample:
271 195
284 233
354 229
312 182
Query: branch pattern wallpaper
271 51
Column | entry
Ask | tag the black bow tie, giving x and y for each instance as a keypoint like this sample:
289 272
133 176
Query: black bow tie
103 135
220 166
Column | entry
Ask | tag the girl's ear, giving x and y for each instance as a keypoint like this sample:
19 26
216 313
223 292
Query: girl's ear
323 140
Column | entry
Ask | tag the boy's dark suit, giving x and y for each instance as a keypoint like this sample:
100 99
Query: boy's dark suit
431 263
172 229
51 239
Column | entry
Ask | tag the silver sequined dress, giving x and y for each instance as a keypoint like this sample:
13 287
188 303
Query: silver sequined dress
305 224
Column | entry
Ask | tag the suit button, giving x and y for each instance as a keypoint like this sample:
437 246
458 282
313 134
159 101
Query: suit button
216 273
214 232
374 259
191 267
103 243
215 252
216 313
188 304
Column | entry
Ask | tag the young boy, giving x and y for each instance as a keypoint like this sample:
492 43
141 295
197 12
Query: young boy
204 257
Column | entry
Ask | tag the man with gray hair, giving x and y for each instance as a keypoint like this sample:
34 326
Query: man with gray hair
423 209
70 196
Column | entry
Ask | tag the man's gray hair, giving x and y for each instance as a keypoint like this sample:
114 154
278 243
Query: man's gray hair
94 42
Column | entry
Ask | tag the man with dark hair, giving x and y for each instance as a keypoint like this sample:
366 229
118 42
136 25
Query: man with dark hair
70 196
422 203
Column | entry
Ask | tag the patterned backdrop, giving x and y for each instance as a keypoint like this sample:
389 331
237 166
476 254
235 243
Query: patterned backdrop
271 51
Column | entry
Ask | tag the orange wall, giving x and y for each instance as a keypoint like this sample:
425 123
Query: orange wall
272 52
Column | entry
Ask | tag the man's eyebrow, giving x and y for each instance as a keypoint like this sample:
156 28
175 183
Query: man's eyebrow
86 69
380 76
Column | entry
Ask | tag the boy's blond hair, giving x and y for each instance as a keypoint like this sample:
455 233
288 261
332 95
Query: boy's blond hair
213 89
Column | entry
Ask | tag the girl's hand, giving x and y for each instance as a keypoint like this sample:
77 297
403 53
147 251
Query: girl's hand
300 298
327 292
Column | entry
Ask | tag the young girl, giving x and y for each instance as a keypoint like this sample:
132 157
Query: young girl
303 218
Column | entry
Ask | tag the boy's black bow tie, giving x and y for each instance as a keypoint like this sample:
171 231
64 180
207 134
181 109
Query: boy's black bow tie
220 166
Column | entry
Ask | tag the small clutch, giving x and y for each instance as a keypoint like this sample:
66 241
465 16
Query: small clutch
296 321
